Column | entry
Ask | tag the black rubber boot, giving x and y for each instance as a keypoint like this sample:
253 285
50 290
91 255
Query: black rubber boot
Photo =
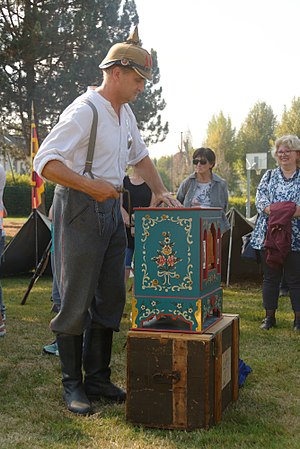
269 321
297 326
297 322
70 353
96 361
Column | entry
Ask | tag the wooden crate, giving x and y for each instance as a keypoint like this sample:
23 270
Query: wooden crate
182 381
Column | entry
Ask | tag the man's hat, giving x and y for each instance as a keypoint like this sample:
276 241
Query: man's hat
130 54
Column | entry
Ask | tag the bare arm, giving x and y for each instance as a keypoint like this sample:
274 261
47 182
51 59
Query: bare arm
297 212
125 216
98 189
149 173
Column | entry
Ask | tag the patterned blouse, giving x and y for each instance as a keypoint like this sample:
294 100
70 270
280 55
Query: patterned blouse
273 188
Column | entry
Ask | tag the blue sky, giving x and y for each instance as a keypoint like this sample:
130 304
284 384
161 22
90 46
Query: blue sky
217 55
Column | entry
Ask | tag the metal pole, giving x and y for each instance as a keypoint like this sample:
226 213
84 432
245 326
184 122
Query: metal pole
248 194
232 223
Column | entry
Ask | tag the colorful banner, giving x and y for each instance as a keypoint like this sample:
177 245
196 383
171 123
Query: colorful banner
36 182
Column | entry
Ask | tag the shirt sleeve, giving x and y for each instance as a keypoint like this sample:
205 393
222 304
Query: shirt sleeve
180 192
262 199
65 136
2 185
2 178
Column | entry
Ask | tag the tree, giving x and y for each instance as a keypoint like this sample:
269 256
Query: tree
188 146
256 135
290 121
165 166
50 51
182 161
147 106
221 139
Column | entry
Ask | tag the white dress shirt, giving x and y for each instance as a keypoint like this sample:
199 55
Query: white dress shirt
118 141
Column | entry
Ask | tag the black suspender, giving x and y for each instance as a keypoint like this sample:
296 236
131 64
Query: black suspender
92 140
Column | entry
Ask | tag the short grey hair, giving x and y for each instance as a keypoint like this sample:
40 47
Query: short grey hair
290 141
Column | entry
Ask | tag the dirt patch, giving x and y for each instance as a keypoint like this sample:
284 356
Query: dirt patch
12 226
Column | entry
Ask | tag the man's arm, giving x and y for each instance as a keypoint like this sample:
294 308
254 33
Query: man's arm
98 189
149 173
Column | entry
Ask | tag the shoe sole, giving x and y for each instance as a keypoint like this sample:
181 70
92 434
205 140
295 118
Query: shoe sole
50 353
105 399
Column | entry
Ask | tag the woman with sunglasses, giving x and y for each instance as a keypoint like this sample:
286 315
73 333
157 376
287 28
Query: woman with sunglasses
203 188
278 198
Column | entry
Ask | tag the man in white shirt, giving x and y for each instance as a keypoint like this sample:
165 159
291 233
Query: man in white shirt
89 233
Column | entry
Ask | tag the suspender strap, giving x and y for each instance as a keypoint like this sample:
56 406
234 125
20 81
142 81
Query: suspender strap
90 155
92 140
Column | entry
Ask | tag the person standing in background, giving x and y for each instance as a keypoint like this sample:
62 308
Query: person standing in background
3 214
203 188
140 196
278 206
52 348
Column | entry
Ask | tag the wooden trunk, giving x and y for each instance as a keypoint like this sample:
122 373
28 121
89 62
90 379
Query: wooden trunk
182 381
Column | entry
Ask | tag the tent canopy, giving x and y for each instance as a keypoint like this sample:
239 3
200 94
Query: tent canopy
28 245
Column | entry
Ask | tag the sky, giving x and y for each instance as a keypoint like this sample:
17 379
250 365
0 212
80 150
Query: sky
220 55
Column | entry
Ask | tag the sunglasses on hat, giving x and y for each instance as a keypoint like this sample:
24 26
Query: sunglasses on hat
200 161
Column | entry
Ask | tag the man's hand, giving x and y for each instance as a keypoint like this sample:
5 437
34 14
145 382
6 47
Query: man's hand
101 190
166 199
98 189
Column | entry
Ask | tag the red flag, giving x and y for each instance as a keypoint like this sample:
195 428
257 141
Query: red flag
36 182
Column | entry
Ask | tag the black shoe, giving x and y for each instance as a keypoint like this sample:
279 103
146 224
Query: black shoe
297 326
283 292
106 391
268 322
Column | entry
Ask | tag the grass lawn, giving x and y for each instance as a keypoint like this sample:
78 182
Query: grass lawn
33 416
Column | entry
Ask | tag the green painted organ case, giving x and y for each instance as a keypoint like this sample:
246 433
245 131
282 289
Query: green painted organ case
177 261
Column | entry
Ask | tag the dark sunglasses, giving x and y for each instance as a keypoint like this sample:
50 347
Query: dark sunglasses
200 161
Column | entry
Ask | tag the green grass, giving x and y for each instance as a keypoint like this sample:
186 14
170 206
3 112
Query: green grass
33 416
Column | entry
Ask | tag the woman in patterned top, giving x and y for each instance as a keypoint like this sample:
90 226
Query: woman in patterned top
280 185
203 188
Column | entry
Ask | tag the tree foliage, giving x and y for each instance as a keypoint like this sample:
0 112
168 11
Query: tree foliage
49 53
147 108
164 166
290 121
256 135
221 139
257 132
